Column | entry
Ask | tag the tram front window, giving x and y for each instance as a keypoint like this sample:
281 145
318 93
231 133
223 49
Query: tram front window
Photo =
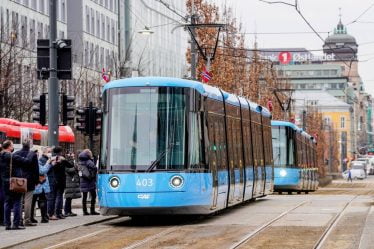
279 146
146 128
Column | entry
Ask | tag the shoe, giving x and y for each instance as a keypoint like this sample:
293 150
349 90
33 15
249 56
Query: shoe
8 228
86 213
70 214
53 217
95 213
29 224
61 217
44 221
18 228
33 221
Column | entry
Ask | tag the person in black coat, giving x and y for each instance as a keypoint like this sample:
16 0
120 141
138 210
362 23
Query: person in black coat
31 173
87 173
12 199
72 190
57 183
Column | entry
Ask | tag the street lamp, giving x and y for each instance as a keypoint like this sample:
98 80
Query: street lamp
146 31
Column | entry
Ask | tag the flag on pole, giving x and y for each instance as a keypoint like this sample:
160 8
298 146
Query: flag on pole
206 76
105 76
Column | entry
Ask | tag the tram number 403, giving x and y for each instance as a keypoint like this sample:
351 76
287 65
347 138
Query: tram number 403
145 182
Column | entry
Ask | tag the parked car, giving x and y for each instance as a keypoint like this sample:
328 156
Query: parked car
360 164
357 173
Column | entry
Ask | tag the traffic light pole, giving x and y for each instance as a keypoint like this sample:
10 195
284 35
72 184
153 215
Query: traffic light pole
53 96
91 128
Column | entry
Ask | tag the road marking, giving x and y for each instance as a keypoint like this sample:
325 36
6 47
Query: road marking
258 230
79 238
142 242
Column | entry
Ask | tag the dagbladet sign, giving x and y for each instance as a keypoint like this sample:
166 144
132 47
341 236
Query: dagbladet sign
287 57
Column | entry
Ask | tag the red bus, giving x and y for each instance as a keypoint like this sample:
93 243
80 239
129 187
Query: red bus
17 131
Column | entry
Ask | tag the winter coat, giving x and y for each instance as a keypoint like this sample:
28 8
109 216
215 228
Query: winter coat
44 167
18 163
87 184
31 173
72 189
56 175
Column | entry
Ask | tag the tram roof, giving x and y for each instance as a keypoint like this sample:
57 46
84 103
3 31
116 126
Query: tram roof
207 90
285 123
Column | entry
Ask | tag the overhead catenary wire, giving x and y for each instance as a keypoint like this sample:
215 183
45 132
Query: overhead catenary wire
363 13
296 6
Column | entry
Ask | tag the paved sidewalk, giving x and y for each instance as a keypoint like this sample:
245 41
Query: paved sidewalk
12 238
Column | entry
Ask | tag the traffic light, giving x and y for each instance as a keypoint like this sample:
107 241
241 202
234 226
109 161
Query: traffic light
40 109
98 116
82 120
67 108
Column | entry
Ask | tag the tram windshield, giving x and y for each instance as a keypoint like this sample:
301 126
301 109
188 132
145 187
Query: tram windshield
279 146
146 128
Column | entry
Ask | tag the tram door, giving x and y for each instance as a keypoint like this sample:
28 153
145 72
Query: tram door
213 157
259 169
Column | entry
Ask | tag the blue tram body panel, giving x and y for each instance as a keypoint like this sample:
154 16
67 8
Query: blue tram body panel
286 177
153 190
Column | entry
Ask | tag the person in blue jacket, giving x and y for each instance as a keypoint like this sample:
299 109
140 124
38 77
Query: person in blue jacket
43 188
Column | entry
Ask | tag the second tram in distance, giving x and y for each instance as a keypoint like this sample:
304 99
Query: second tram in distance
295 159
173 146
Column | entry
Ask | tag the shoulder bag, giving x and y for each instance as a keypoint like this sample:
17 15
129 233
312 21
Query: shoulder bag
16 184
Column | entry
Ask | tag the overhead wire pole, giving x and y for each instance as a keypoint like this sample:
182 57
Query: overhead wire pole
193 43
53 98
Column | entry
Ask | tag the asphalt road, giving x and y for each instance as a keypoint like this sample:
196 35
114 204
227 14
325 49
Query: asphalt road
337 216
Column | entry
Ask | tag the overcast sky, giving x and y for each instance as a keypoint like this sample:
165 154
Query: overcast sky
322 14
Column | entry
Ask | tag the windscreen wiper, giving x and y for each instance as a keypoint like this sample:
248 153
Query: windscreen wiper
161 156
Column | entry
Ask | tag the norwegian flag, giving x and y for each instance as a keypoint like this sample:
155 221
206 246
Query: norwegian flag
270 105
206 76
105 76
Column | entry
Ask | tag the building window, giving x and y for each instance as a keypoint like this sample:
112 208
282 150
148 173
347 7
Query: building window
107 29
92 22
32 34
33 4
63 18
113 33
342 122
97 24
102 27
41 6
87 19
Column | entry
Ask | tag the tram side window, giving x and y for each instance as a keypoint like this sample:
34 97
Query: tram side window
239 142
247 143
290 143
195 155
212 145
222 143
229 143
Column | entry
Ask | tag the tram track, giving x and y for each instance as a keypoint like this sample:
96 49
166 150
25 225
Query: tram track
263 227
332 224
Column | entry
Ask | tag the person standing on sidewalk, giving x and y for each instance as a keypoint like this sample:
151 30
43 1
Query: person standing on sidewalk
72 190
12 199
87 173
57 183
42 189
31 173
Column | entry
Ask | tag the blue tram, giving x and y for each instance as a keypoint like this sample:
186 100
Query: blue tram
173 146
295 162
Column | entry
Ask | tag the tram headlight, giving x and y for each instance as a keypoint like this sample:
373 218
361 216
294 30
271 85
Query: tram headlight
114 182
283 173
177 181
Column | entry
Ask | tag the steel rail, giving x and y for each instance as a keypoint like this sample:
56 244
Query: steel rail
263 227
332 225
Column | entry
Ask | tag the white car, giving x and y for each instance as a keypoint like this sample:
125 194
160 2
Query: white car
356 174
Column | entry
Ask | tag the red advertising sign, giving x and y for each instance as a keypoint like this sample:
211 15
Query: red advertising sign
284 57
